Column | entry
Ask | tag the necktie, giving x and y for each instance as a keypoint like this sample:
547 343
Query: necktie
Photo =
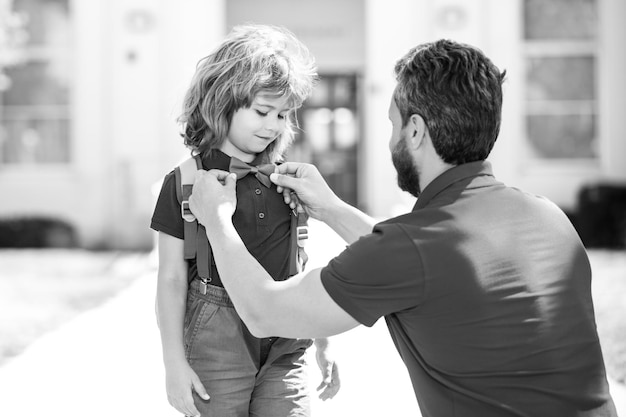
261 172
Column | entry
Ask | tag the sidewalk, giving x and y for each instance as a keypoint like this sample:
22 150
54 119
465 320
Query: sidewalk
107 362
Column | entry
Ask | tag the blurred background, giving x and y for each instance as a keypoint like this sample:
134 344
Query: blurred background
90 90
89 95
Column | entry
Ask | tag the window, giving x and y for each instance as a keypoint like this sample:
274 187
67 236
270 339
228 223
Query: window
561 97
34 94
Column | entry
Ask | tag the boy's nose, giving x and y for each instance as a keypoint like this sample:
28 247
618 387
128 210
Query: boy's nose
271 124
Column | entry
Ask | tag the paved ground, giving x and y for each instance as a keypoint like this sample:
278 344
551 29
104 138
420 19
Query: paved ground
107 363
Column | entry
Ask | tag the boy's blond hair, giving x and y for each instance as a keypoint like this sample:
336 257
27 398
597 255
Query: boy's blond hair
252 59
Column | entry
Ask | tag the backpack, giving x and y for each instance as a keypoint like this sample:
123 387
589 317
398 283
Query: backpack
196 243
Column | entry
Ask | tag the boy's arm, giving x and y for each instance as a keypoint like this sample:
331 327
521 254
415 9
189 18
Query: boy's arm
330 373
171 304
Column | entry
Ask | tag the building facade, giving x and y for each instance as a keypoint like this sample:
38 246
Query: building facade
90 92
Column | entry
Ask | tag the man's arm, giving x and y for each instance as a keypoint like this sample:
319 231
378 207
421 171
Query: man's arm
348 222
320 202
298 307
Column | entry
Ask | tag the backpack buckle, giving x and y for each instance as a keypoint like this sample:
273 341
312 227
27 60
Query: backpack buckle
302 234
186 213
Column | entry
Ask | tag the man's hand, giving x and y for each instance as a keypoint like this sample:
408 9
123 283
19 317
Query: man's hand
308 185
180 382
213 195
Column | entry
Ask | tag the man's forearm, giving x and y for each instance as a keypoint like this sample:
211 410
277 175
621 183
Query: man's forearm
246 281
320 201
347 221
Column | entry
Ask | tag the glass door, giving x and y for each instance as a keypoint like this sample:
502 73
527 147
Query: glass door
328 136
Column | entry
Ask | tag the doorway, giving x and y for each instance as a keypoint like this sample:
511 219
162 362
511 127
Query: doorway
329 133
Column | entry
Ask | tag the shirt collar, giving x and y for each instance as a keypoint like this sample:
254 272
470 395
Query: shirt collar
215 159
451 176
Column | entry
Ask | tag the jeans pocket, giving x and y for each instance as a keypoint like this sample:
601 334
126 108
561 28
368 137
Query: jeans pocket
192 311
198 314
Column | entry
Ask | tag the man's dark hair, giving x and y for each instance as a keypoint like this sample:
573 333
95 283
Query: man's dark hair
457 90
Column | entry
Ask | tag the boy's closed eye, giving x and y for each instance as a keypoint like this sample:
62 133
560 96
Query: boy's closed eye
265 113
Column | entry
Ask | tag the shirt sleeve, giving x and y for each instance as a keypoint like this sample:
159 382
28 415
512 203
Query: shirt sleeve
167 217
380 274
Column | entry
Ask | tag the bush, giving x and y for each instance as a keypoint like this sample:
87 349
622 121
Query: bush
36 232
601 216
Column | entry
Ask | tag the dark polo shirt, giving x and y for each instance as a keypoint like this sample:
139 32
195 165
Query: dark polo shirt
262 219
486 293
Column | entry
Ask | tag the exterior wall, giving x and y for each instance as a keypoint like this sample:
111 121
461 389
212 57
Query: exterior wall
75 192
501 42
152 64
388 38
560 180
335 41
132 98
495 27
135 58
133 62
487 24
612 87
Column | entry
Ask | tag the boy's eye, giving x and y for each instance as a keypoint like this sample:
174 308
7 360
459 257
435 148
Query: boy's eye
263 114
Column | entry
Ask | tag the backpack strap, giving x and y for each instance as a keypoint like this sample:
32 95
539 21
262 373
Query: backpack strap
204 255
299 234
196 244
185 177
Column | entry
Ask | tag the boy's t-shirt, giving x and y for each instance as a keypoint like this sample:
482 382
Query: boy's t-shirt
262 219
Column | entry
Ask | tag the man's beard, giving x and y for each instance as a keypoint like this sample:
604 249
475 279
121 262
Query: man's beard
408 177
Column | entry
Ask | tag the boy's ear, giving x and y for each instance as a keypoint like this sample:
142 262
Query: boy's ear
417 130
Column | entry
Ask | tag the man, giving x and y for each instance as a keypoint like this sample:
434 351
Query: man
485 288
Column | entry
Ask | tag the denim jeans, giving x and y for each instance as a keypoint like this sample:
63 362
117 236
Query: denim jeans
244 375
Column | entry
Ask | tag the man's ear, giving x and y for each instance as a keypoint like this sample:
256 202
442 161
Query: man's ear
417 130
